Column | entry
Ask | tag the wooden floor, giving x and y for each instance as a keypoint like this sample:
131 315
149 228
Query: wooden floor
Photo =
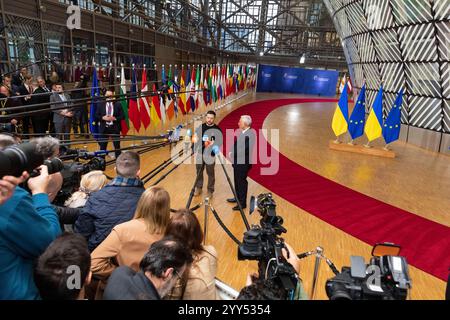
417 181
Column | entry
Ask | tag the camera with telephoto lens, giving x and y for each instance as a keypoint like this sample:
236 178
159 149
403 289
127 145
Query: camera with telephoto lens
386 277
264 244
26 157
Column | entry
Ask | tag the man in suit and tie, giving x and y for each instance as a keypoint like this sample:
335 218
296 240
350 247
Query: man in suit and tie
242 156
25 90
108 116
41 95
62 113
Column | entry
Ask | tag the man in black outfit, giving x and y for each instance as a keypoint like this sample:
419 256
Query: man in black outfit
25 90
41 95
160 269
206 136
109 114
242 160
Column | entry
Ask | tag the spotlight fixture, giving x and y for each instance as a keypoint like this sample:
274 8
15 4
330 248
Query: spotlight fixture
261 53
302 59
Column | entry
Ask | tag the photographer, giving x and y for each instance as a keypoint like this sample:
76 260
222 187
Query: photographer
28 224
271 289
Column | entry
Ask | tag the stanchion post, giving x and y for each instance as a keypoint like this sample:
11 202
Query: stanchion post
319 252
205 226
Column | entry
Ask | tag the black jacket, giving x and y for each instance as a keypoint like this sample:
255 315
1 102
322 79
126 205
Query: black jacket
40 96
101 111
243 149
104 210
126 284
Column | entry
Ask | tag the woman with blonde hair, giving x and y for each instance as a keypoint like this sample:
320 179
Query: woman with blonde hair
198 282
90 182
129 241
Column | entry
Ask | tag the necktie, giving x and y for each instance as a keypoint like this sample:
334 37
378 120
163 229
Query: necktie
109 109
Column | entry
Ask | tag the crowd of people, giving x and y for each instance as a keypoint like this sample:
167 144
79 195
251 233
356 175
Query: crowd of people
37 94
111 240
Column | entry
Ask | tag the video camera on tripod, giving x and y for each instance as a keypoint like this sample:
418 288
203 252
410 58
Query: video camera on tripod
263 243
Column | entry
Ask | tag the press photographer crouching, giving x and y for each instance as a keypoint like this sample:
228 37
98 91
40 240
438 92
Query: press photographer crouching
28 223
278 265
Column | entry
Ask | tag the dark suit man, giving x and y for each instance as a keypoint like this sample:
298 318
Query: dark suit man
25 90
41 95
108 115
242 160
62 113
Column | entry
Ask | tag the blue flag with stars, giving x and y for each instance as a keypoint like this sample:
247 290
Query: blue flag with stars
391 126
95 94
358 117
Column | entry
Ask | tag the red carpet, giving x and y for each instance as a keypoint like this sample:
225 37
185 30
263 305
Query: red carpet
424 243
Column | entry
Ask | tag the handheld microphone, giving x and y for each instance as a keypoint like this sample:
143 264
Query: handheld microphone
215 150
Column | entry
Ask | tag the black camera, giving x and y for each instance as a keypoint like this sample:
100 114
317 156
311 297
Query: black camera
263 243
386 277
73 171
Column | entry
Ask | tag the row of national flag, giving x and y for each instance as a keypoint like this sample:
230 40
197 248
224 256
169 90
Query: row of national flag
374 127
184 91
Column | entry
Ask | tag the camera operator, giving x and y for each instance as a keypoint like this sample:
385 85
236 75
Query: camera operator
270 289
28 224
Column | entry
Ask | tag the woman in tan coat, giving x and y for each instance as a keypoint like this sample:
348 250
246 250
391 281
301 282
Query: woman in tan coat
128 242
199 282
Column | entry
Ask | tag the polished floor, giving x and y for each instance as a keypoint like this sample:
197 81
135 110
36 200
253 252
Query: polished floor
417 181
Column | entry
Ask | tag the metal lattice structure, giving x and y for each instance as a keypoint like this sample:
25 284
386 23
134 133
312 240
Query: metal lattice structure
401 44
280 28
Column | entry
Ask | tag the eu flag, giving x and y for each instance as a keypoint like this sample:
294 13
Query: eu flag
358 116
391 126
95 94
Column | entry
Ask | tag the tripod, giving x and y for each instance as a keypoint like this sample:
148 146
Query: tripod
215 151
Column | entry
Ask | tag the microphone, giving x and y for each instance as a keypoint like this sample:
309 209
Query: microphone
215 150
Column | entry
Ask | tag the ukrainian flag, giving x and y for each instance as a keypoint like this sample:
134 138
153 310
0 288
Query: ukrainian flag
374 122
340 117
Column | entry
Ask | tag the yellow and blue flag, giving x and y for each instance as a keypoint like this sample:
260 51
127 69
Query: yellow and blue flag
340 117
375 119
358 116
391 127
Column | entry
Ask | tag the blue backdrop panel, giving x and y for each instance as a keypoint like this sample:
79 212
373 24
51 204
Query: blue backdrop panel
320 82
296 80
268 77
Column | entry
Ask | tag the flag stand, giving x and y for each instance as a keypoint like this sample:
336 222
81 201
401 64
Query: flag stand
386 147
351 142
367 145
361 149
